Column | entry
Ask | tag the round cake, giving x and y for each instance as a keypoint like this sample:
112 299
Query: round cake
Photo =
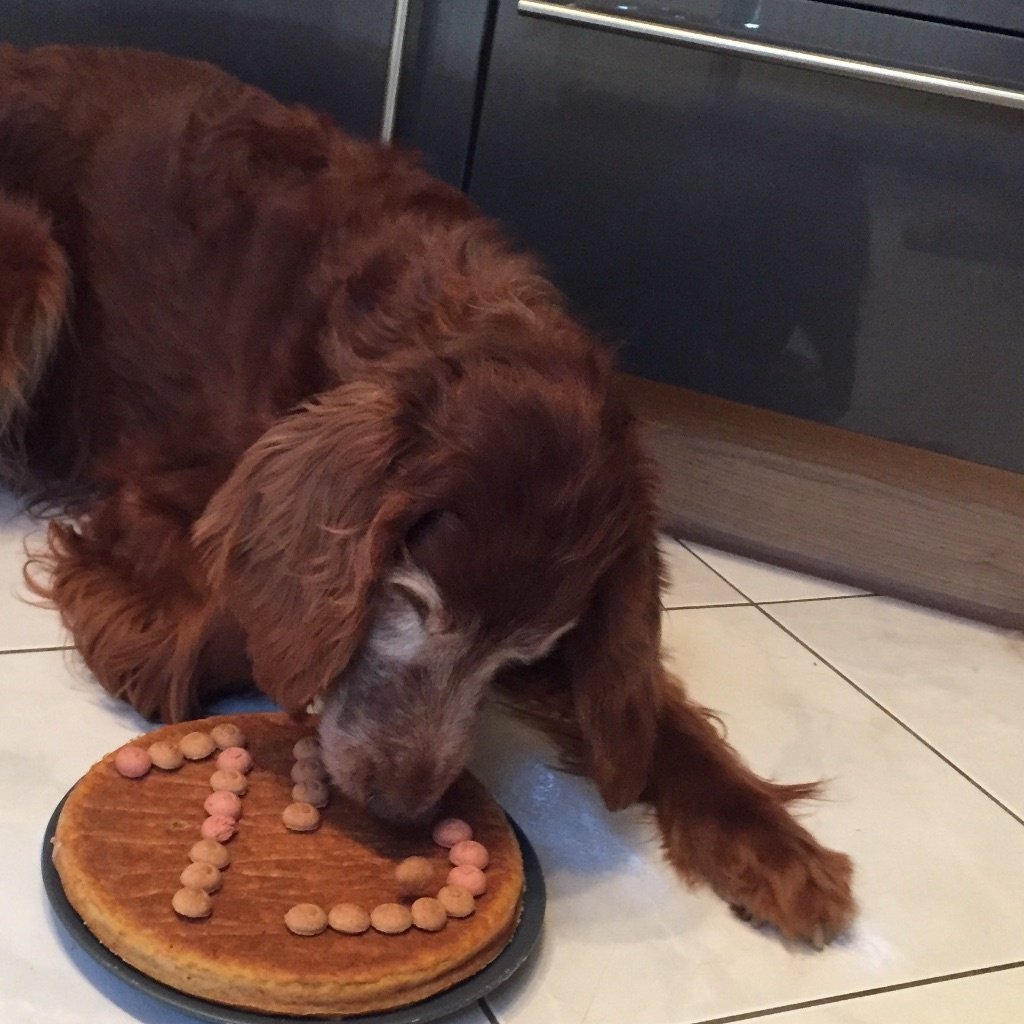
122 843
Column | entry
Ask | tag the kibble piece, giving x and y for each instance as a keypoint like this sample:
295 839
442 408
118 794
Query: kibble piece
192 903
348 918
308 768
451 831
166 755
199 875
428 914
209 851
227 734
235 758
468 877
306 919
391 918
220 801
230 779
301 817
308 746
413 876
457 901
468 851
132 761
197 745
218 827
312 791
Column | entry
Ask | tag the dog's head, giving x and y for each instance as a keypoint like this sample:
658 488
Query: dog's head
396 543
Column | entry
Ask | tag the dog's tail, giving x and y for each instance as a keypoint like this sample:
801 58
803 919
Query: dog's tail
34 289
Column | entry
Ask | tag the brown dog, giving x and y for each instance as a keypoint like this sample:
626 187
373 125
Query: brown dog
318 426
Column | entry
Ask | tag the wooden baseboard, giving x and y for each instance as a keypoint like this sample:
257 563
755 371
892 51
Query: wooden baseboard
881 516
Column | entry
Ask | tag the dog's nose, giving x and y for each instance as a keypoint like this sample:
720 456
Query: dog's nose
394 808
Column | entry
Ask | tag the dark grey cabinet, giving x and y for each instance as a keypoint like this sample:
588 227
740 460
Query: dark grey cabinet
845 247
330 54
847 250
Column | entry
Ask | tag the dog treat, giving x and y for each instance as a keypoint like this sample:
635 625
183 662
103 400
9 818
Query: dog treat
220 801
468 851
199 875
166 755
230 779
312 791
209 851
235 758
227 734
413 876
301 817
468 877
306 919
456 900
308 746
197 745
132 761
192 903
348 918
308 768
391 918
218 828
450 831
428 914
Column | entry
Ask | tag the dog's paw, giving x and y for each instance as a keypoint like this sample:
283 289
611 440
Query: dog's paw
782 876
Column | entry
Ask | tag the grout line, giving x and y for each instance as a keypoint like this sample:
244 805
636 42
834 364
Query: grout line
487 1011
37 650
746 603
863 993
693 607
811 600
892 715
779 600
774 600
720 575
708 565
747 599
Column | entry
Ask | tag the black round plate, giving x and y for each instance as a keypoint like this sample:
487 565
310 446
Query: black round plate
496 973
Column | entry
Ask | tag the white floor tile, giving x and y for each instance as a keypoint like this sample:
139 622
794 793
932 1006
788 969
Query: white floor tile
958 684
762 583
996 998
57 722
939 865
690 582
23 625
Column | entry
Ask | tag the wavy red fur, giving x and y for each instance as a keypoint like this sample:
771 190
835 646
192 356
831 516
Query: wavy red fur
317 424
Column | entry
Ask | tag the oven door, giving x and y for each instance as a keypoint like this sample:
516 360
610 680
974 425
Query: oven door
807 206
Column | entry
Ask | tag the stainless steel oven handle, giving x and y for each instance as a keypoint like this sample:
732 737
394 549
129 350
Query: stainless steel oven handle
399 24
919 80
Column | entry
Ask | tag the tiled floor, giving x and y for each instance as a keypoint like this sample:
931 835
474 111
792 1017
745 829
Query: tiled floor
916 718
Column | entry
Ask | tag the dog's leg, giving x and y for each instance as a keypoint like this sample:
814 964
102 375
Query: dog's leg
723 824
33 294
133 597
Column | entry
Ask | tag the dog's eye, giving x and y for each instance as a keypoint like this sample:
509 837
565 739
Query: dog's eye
418 531
419 606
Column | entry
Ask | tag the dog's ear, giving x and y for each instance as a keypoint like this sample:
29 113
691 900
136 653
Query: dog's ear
298 535
617 675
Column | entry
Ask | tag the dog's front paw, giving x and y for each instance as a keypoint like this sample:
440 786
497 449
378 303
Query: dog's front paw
784 877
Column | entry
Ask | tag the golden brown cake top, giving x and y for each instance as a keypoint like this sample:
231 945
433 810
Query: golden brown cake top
122 843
